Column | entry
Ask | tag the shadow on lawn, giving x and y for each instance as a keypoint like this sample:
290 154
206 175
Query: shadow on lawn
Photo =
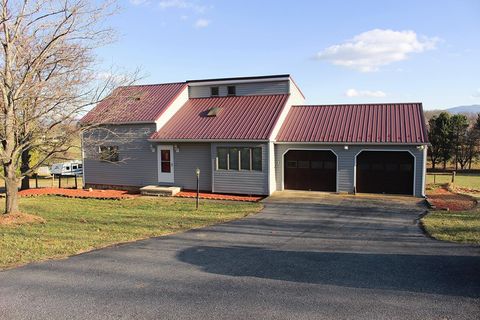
433 274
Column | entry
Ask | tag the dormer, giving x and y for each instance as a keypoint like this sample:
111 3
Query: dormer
241 86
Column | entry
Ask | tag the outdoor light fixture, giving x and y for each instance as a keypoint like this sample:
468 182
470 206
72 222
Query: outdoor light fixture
197 173
421 147
345 147
175 147
152 147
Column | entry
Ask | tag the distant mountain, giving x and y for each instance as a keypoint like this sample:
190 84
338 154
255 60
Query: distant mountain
475 108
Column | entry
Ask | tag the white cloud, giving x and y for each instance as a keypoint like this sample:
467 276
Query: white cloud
373 49
476 94
182 4
202 23
365 93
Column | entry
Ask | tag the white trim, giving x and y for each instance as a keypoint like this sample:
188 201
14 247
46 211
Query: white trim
295 98
207 140
424 176
354 143
233 81
170 176
385 150
175 105
83 160
283 164
272 176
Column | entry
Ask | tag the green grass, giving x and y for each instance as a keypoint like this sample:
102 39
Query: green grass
461 226
470 181
77 225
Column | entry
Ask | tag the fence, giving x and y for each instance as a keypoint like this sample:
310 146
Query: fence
56 181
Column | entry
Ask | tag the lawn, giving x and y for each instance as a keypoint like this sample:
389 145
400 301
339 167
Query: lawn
461 226
470 181
78 225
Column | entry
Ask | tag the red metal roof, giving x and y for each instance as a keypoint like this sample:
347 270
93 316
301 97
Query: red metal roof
141 103
240 118
357 123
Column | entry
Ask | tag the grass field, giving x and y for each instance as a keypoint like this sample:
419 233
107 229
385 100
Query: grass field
49 182
470 181
77 225
454 226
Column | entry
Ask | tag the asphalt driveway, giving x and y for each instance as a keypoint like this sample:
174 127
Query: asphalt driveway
330 257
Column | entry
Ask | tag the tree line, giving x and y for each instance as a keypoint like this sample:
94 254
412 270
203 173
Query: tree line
453 139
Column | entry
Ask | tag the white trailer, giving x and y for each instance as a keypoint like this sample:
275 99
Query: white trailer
71 168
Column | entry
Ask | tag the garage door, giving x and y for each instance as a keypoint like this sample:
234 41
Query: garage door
310 170
389 172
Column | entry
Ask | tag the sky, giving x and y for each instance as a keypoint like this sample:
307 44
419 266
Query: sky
336 51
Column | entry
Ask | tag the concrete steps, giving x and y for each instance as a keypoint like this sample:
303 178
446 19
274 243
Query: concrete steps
161 191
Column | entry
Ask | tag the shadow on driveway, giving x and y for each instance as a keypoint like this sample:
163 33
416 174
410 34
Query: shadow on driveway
445 275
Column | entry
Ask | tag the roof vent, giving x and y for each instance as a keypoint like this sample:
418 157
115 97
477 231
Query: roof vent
212 112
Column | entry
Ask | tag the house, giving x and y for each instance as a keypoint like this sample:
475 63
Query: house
253 135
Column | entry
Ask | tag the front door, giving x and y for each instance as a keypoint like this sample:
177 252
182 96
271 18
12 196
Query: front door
165 164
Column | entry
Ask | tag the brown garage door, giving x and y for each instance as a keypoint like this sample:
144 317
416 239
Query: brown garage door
310 170
389 172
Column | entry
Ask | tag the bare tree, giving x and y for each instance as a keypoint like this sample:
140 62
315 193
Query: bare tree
47 79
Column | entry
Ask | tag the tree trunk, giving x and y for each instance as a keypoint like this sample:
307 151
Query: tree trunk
25 166
433 165
11 192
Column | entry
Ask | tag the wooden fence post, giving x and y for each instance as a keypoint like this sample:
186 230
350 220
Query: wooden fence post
453 176
59 181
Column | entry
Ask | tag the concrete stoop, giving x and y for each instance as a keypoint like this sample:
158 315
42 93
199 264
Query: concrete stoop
162 191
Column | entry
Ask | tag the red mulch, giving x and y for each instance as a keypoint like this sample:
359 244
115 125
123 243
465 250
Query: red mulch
77 193
216 196
441 198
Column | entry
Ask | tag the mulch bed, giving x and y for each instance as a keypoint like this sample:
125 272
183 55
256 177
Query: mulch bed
122 194
444 199
78 193
216 196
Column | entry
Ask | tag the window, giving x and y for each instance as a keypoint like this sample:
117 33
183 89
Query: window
291 164
315 164
222 156
109 153
67 168
231 90
303 164
329 164
257 159
74 167
80 166
214 91
235 158
245 158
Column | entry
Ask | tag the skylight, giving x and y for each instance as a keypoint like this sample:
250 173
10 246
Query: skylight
212 112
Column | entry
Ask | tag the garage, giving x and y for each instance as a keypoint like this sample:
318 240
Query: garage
386 172
314 170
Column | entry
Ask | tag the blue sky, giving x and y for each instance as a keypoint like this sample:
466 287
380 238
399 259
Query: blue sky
337 51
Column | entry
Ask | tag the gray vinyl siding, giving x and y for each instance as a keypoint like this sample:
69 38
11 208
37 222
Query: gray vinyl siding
241 182
186 160
137 165
243 89
346 162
